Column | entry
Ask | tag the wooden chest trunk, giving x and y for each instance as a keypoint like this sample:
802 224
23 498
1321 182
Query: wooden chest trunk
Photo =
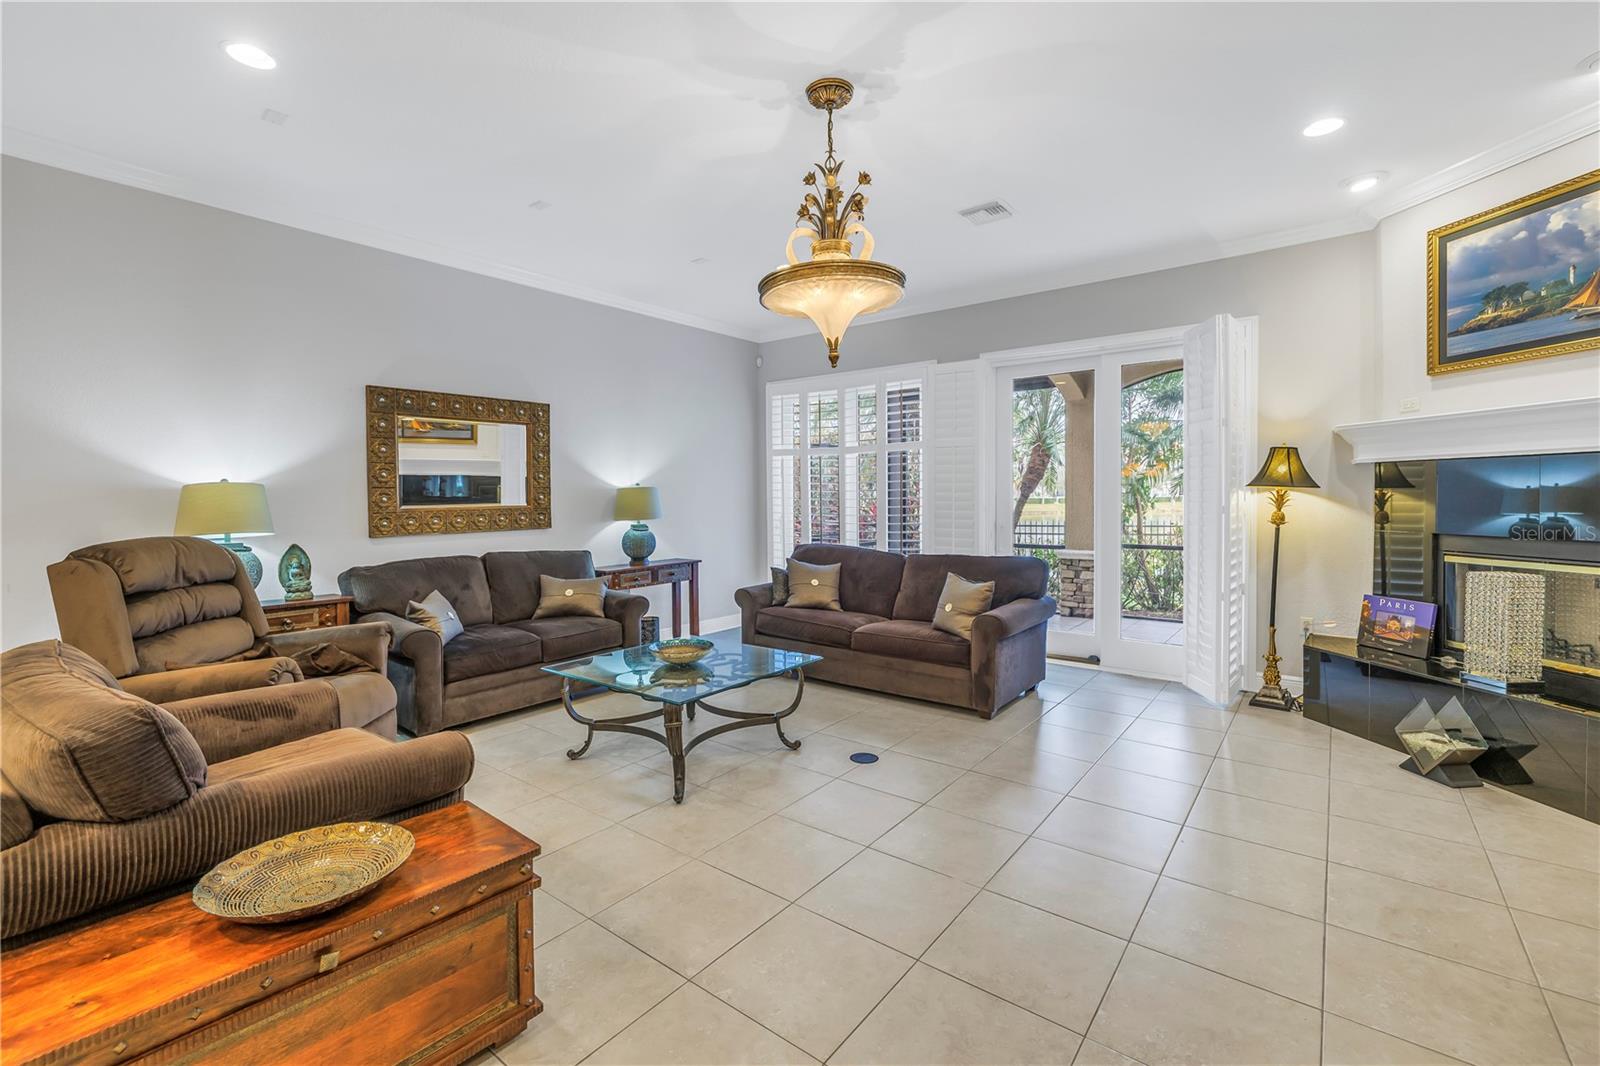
431 967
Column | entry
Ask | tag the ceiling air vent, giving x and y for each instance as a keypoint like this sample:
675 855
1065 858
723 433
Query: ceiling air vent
983 214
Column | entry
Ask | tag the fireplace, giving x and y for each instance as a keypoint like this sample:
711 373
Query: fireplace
1438 521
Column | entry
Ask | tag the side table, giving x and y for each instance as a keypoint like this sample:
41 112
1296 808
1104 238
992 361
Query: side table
674 572
319 612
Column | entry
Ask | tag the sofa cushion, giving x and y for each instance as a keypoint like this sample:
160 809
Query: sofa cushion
1014 577
960 601
811 625
580 597
903 638
435 612
813 585
390 586
79 748
16 821
574 635
489 649
514 578
151 564
868 579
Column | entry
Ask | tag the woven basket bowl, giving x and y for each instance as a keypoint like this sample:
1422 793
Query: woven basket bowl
305 873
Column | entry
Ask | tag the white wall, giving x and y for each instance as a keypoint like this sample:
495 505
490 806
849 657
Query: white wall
149 342
1403 305
1316 304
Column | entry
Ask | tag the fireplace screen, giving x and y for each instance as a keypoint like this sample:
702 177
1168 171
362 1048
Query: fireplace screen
1571 606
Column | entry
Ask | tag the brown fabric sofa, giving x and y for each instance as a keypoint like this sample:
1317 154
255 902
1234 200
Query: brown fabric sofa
161 613
495 665
883 638
106 797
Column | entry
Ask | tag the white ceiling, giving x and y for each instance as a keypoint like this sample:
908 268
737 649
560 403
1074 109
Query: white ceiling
1126 137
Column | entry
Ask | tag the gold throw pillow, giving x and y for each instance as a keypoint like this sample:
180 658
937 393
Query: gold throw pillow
435 613
961 601
571 595
811 585
780 586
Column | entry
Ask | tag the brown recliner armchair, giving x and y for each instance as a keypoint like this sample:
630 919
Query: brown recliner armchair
106 798
172 618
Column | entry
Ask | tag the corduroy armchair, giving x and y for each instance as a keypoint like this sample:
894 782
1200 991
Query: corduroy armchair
166 614
106 797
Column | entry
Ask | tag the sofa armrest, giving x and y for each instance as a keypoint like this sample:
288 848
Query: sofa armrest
1008 651
368 641
191 681
416 669
751 599
416 642
627 608
229 724
1010 619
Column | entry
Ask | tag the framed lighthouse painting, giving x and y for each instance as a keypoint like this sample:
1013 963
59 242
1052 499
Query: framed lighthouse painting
1521 281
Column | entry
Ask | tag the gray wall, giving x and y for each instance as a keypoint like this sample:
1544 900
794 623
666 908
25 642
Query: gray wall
1316 305
149 342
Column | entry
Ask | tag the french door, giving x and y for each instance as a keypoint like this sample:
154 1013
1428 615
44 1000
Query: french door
1090 479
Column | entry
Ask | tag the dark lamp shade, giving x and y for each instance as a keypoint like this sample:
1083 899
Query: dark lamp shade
1388 476
637 503
1283 470
1520 501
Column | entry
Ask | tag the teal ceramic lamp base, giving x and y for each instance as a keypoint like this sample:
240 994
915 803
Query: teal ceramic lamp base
638 543
252 565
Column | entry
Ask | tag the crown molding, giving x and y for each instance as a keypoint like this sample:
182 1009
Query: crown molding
1525 429
1583 122
52 153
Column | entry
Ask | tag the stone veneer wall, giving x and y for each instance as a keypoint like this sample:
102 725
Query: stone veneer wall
1077 587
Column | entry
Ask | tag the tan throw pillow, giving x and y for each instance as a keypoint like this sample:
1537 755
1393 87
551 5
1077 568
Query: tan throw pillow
960 601
566 595
780 586
435 613
811 585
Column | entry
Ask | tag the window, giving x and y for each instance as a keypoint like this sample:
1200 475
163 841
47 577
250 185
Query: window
845 461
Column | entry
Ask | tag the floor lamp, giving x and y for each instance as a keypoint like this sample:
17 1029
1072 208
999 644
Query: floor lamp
1282 471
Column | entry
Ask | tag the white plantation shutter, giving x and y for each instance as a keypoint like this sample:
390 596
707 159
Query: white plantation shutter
845 461
1219 450
952 504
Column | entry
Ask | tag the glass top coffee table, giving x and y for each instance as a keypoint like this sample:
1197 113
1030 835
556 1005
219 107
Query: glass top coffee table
680 690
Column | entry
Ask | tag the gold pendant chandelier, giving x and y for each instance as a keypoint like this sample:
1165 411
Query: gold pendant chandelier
834 287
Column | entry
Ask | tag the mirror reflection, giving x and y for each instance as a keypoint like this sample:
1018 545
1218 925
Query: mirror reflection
446 463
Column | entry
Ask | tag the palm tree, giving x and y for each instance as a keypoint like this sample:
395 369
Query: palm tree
1038 437
1152 466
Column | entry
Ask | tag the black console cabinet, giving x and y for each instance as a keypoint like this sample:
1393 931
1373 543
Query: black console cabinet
1540 748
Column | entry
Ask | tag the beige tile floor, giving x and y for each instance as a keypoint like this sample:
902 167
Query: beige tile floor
1109 871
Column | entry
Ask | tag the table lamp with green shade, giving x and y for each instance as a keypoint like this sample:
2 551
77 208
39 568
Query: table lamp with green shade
226 509
1282 471
636 503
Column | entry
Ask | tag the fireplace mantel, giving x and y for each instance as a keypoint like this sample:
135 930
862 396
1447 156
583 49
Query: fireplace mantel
1526 429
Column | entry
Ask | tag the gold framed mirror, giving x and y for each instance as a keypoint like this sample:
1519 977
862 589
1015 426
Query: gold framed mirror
439 462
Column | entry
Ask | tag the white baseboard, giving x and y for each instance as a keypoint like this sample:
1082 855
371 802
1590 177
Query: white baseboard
717 625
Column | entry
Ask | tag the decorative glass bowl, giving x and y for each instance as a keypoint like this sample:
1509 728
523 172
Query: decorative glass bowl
680 651
302 874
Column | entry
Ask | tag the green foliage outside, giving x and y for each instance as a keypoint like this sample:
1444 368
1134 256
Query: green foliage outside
1152 473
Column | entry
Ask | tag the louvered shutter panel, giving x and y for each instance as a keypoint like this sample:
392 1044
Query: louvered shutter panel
952 505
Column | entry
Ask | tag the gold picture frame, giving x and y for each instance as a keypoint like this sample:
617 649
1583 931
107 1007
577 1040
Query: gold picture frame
386 407
1512 349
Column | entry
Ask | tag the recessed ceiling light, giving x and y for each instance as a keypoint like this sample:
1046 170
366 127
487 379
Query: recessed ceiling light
252 56
1364 183
1324 126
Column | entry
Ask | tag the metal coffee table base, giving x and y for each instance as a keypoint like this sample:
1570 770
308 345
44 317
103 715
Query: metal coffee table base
671 715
